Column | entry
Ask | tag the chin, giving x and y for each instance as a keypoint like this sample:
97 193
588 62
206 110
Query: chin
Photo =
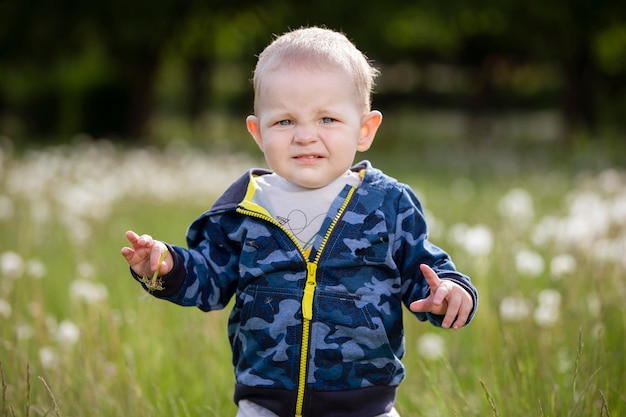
311 184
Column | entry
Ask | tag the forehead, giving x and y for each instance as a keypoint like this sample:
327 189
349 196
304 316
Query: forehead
288 81
303 74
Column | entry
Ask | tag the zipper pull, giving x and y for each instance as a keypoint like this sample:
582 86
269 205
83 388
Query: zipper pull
309 290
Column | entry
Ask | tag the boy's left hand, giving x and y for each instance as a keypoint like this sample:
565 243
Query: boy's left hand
446 298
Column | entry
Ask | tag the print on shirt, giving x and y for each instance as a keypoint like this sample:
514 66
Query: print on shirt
303 228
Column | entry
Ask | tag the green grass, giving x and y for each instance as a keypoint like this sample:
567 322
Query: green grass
139 356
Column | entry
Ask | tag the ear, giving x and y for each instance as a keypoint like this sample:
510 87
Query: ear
369 126
254 127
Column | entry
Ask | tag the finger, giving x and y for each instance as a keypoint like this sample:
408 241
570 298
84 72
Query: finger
443 292
463 314
431 277
127 253
139 242
131 236
145 240
421 306
452 311
155 254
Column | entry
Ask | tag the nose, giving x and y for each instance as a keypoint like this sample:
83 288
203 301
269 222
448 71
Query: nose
304 134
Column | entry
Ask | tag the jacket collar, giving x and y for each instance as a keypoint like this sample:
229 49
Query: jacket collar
236 192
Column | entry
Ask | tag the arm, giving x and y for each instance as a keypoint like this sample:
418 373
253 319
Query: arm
204 276
434 289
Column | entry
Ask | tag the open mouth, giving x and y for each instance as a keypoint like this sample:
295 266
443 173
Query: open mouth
307 157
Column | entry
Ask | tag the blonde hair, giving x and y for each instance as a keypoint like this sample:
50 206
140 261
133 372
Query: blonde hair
318 47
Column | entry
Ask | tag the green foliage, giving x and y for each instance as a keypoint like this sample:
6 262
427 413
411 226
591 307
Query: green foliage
72 68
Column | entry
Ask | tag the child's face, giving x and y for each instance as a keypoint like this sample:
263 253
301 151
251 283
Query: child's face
310 124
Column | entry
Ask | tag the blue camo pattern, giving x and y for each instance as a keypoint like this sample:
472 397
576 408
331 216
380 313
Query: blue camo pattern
366 272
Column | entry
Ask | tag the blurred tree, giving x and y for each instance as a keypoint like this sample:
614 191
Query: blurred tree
210 36
133 35
33 34
69 66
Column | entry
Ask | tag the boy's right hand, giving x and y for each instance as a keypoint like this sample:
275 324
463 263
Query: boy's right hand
144 254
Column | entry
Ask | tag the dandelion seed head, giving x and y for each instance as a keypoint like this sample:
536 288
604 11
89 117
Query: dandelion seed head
476 240
514 308
594 305
24 331
561 265
609 250
529 263
5 309
546 315
88 291
86 270
48 357
52 324
517 206
546 230
67 333
431 346
35 269
11 265
610 181
549 298
7 208
597 331
617 210
564 363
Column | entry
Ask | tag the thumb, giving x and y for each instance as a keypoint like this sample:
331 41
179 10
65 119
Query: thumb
421 306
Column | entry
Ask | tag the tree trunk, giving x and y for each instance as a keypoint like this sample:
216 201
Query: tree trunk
198 81
577 94
140 77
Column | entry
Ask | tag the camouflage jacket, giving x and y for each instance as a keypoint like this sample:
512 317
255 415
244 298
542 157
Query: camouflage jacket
314 333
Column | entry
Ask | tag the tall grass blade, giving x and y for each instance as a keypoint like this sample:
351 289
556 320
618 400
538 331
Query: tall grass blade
577 364
492 403
27 406
52 397
605 405
4 391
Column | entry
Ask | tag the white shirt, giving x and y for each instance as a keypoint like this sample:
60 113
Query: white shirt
301 210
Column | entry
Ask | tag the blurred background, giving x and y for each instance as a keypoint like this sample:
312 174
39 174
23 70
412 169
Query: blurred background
508 119
148 72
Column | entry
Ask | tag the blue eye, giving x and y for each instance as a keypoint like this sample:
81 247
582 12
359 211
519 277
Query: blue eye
284 122
327 120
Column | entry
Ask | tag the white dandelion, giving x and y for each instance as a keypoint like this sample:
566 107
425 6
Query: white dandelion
562 265
431 346
529 263
11 265
67 333
515 308
517 206
48 357
88 291
5 309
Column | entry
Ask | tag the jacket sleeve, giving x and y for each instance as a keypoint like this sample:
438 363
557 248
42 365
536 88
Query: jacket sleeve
206 274
413 248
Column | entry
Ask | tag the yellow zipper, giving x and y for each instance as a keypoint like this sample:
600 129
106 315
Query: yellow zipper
254 210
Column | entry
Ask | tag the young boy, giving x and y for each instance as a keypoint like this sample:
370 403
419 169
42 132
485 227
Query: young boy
319 255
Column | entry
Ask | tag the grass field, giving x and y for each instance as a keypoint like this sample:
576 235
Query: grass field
545 247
